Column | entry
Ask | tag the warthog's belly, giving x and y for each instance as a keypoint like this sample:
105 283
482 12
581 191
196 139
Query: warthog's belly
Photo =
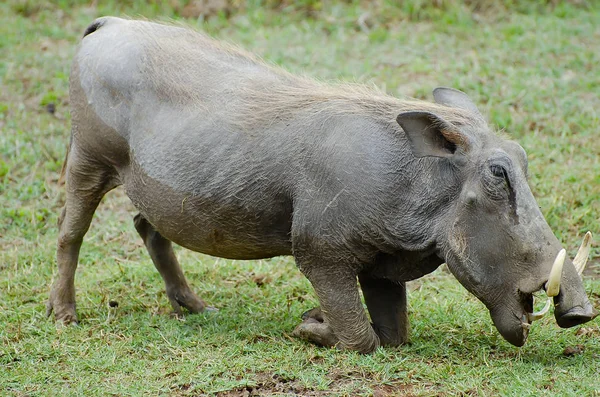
213 221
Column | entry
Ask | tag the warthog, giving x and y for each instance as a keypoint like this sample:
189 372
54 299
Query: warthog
226 155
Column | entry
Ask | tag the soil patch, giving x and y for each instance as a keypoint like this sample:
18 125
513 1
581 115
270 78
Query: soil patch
277 385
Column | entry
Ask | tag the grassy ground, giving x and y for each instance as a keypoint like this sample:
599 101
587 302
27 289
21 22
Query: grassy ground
534 73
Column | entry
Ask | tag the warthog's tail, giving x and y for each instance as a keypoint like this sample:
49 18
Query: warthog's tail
63 170
97 24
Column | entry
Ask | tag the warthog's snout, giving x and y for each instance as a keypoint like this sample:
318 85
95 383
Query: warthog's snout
563 287
575 316
572 306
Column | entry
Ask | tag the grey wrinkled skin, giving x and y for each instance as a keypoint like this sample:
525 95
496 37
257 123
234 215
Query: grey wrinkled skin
225 155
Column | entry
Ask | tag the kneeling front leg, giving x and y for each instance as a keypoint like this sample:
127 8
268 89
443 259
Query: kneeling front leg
315 329
386 301
342 321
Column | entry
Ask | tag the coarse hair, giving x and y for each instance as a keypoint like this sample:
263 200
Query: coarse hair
265 93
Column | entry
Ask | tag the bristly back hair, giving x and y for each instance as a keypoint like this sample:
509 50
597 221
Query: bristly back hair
316 97
266 93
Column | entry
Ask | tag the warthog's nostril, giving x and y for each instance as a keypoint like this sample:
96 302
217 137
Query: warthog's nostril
575 316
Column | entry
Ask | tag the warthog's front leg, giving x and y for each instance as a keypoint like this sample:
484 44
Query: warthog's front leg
344 317
386 301
163 257
315 329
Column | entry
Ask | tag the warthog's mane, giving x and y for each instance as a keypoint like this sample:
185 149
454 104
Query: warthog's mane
260 92
314 98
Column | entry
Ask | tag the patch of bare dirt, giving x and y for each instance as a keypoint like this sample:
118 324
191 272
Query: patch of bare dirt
271 385
573 350
277 385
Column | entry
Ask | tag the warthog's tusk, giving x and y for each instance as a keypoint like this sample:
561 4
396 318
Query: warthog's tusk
583 253
537 315
553 284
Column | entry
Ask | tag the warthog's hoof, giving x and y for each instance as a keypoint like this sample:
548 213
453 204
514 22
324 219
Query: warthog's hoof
185 298
315 314
315 330
64 313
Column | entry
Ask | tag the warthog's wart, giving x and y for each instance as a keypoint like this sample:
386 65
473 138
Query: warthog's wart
226 155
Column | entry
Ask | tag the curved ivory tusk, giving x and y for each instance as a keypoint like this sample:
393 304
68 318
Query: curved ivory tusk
537 315
553 284
583 253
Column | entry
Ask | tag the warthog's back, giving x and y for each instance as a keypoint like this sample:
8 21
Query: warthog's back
131 66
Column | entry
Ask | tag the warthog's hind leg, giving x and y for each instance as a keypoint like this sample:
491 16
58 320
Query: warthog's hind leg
161 252
87 182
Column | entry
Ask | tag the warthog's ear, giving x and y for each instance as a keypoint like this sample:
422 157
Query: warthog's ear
430 135
455 99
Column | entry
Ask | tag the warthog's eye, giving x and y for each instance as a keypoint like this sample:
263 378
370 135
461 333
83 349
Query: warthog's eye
498 171
499 186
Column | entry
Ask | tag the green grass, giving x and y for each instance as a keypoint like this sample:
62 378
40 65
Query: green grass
533 72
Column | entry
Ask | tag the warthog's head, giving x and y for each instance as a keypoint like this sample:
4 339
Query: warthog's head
494 237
